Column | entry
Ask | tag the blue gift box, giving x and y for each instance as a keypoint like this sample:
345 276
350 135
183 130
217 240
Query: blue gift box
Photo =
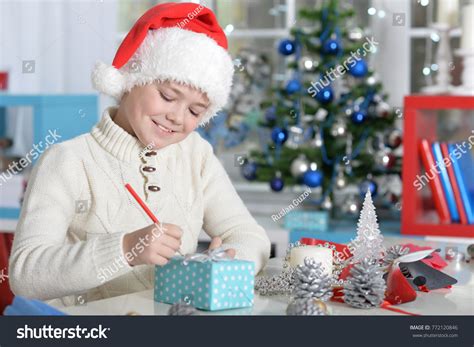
307 220
209 285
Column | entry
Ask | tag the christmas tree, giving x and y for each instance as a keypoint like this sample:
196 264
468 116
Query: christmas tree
329 124
369 240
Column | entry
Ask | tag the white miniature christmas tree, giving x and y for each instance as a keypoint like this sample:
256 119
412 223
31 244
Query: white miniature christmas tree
369 240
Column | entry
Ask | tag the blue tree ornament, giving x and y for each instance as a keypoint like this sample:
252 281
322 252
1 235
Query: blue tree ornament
279 135
368 185
270 114
359 69
293 86
358 117
287 47
332 47
277 184
313 178
249 171
325 95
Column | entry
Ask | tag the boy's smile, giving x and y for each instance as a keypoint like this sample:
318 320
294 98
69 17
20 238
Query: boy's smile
161 113
162 129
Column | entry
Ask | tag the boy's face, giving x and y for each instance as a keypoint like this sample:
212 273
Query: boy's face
161 113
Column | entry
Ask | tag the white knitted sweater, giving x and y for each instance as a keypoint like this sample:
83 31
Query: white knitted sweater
76 211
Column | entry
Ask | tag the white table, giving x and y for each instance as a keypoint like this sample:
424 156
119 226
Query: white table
459 300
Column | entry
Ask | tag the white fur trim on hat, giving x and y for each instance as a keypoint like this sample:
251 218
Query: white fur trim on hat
172 54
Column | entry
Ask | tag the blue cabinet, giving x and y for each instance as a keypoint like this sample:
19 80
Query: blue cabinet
68 115
71 115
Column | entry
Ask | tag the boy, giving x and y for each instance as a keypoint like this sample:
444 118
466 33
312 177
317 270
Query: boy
171 73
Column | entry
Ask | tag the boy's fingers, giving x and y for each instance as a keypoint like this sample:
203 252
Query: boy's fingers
215 243
171 242
159 260
166 252
174 232
231 252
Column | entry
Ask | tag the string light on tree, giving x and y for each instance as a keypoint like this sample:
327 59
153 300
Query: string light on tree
350 206
339 128
340 179
318 139
384 159
308 64
356 34
327 203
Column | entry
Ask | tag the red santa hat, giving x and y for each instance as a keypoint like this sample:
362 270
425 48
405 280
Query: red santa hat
179 42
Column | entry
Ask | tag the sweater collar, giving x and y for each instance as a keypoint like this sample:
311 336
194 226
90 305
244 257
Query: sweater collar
118 142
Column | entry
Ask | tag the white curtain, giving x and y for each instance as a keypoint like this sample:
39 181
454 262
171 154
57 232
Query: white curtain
50 47
63 38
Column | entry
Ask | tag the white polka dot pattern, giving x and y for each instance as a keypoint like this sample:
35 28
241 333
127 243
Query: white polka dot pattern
208 286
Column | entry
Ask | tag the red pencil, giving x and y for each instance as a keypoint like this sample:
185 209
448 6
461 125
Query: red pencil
142 204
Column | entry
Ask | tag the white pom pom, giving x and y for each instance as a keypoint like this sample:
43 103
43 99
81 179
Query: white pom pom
108 80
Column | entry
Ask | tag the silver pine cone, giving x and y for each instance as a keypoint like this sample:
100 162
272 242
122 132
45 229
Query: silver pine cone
393 253
365 287
182 309
306 307
310 281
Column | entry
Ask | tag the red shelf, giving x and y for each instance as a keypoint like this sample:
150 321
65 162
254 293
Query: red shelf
420 122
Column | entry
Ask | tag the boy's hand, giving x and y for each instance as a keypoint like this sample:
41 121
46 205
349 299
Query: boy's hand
153 245
217 242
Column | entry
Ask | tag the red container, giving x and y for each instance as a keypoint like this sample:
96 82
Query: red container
6 295
421 117
3 80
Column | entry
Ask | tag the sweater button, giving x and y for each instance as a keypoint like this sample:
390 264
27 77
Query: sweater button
150 154
149 169
154 188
